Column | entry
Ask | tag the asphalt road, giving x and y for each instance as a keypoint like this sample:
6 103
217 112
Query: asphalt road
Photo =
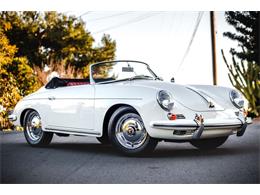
83 160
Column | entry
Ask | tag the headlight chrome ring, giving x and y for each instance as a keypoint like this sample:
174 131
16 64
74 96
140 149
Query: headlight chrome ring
236 98
165 100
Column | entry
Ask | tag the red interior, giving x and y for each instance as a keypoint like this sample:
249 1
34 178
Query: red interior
77 83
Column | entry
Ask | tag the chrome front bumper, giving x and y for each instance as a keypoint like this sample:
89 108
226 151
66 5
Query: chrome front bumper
193 129
12 117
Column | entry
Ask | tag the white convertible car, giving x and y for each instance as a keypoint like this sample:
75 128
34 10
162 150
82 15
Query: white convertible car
124 103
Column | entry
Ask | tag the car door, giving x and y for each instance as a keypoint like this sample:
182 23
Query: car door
71 109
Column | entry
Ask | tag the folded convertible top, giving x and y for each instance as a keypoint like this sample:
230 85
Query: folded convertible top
63 82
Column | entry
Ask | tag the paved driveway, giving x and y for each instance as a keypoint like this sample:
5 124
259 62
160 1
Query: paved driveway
83 160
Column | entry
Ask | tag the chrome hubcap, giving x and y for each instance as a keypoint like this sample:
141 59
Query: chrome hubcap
130 132
33 127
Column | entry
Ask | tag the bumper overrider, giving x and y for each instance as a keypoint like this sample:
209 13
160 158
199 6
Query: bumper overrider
200 128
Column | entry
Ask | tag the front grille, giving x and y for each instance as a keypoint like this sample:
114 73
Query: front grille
183 132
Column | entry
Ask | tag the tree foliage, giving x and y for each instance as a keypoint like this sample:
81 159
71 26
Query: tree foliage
16 78
245 75
52 37
247 34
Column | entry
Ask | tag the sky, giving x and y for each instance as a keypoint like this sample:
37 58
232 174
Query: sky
161 38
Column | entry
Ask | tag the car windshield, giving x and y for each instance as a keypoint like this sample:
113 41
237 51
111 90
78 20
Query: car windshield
120 71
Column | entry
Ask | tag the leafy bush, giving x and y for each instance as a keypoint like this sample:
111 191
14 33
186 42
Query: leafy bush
17 79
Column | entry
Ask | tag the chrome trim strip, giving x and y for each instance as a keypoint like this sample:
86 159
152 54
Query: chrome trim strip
223 127
115 98
68 128
69 132
189 127
210 102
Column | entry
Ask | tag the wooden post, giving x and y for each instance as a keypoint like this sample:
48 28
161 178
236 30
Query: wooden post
213 46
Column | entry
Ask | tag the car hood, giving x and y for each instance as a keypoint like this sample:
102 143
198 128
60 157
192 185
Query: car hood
187 95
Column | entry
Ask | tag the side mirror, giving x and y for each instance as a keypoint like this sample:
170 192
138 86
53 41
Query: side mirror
161 78
172 80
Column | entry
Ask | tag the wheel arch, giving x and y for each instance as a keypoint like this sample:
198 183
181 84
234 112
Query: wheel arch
23 114
110 112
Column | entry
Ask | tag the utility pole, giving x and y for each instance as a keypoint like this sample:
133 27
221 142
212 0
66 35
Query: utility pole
213 46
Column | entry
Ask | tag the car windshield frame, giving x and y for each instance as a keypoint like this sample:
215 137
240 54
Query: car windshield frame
92 80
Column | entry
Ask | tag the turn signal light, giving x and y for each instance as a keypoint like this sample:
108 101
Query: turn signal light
172 116
175 116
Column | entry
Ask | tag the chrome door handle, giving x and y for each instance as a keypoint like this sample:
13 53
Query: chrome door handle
51 98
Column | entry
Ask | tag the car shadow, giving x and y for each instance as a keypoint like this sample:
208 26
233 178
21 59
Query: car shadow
160 152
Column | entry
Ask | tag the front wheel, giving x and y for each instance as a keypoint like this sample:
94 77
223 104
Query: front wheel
33 132
127 133
207 144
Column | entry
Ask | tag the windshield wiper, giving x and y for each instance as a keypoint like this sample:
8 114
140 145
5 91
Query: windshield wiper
140 77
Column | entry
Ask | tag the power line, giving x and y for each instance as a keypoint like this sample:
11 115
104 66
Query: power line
172 30
106 17
200 14
137 19
85 13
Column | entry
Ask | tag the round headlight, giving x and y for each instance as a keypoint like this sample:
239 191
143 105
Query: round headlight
237 99
165 100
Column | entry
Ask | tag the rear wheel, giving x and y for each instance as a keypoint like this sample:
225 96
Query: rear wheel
127 133
33 132
207 144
